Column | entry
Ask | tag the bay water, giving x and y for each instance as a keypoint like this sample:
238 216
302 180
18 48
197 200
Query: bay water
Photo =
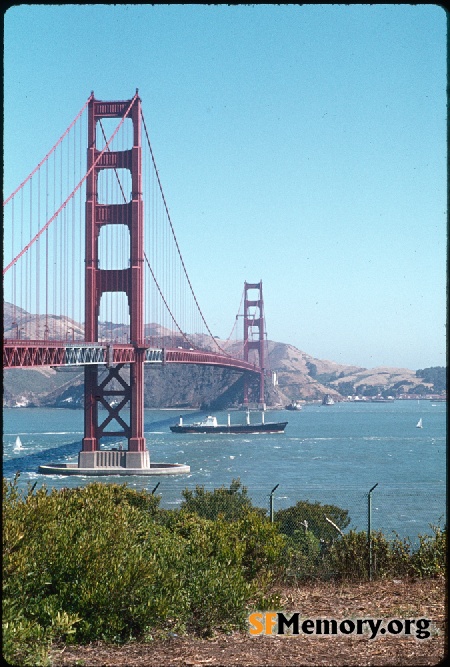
329 454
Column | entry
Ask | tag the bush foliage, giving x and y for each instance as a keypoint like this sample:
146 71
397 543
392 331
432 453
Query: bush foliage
106 562
292 520
231 503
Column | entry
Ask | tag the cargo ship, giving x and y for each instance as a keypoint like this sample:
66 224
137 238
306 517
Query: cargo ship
210 425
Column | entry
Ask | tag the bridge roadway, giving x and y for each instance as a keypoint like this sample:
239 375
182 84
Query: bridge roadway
37 353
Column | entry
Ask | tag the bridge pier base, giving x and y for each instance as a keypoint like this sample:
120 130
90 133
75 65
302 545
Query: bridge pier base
111 471
114 459
261 407
114 462
137 459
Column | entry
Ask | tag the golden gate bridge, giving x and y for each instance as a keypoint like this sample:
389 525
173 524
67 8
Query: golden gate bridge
94 277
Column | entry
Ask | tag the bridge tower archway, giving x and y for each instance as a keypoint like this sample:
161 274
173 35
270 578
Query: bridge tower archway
254 334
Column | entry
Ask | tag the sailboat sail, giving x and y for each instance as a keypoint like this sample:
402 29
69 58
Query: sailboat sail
18 444
419 423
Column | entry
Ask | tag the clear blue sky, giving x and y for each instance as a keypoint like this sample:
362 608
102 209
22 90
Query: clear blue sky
300 145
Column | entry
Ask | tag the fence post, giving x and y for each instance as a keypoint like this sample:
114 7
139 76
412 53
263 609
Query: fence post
271 502
369 528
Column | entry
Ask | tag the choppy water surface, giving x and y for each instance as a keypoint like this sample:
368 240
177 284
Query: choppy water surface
331 454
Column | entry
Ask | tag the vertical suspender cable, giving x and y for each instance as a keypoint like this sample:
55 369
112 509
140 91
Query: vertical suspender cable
38 287
14 273
176 241
22 269
55 249
48 154
46 253
28 281
61 277
81 278
75 261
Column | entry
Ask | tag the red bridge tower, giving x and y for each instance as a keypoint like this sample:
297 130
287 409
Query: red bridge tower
129 280
255 321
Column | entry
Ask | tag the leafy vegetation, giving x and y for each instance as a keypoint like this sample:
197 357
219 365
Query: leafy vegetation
106 562
293 519
348 557
326 378
371 390
435 375
312 369
346 388
419 389
230 503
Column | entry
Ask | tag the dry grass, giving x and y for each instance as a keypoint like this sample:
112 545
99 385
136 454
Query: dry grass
380 599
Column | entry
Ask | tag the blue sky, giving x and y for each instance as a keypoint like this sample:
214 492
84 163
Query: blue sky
300 145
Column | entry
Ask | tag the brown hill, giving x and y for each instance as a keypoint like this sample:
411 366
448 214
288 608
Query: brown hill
301 376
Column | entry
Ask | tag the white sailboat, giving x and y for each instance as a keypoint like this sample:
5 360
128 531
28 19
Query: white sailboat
419 423
18 445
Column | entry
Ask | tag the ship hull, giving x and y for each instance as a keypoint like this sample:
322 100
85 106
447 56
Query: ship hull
237 428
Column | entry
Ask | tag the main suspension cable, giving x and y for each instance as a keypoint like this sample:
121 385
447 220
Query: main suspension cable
49 153
175 238
64 204
146 258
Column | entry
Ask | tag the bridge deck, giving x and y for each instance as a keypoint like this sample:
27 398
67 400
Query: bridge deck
28 354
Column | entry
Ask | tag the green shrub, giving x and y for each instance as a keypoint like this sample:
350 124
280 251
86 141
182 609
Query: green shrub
430 559
264 545
230 503
304 556
226 564
25 642
103 562
293 519
82 552
212 577
309 536
348 557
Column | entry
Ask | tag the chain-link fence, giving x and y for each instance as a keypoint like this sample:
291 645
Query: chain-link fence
366 533
404 510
